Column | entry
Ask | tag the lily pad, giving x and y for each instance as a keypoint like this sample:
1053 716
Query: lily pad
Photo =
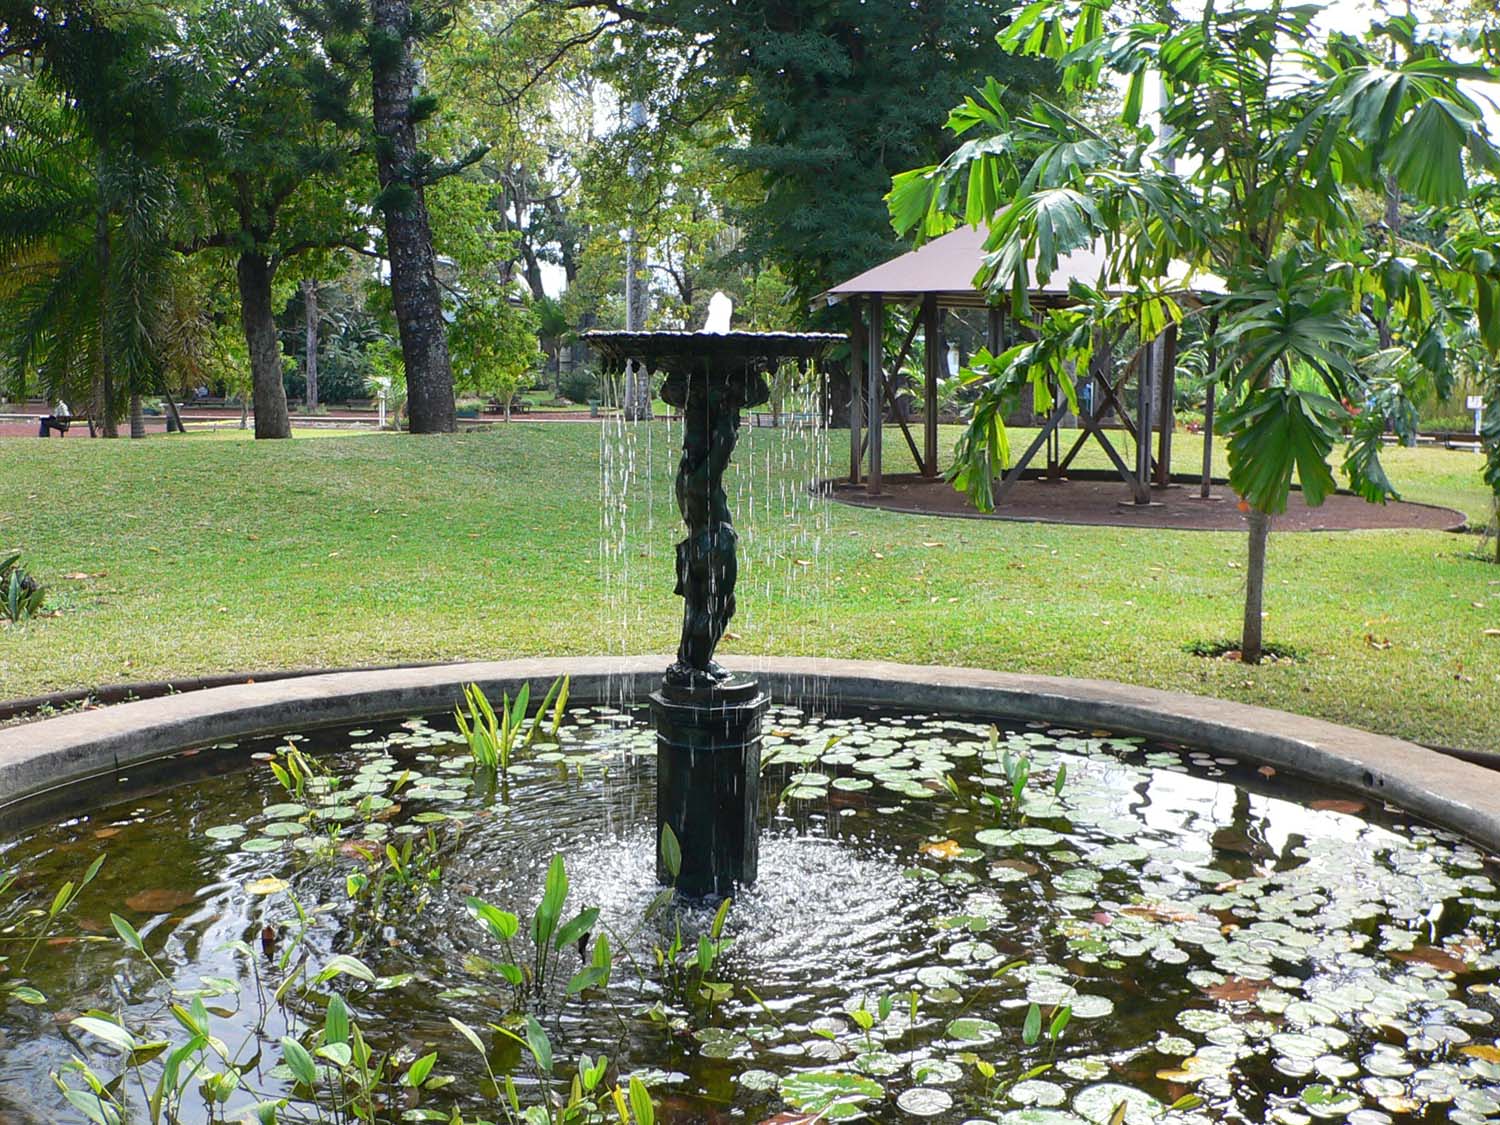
837 1095
925 1101
1099 1105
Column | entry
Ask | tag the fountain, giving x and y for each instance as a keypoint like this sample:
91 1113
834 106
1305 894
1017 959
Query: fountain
708 720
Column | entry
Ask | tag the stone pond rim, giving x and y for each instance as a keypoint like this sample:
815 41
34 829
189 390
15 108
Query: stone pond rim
48 754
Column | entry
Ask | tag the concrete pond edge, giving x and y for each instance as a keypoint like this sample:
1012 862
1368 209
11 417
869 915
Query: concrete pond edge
47 755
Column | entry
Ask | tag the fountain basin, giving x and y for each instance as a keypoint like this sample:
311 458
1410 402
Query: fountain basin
1176 897
44 755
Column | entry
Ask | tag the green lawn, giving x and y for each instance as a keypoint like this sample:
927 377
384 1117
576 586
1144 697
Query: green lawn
213 553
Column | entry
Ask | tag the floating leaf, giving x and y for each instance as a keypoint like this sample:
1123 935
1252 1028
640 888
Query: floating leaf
835 1094
925 1101
1101 1104
159 900
1338 805
974 1030
942 849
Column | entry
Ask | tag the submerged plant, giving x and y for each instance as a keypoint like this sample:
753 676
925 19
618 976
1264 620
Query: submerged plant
494 737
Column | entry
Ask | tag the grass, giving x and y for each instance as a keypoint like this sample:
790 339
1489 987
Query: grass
205 554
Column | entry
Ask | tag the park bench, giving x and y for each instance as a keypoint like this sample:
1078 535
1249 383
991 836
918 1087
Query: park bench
50 422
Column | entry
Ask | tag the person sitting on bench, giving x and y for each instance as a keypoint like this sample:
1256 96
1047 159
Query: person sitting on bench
60 419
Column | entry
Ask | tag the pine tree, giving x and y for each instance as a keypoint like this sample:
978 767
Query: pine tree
379 45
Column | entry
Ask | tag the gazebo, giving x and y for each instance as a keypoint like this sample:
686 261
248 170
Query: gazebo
940 275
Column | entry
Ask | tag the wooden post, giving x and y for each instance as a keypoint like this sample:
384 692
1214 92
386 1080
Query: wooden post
932 333
1208 441
1208 410
875 376
1144 393
856 388
1168 405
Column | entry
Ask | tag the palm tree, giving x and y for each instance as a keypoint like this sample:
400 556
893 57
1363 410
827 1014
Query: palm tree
85 263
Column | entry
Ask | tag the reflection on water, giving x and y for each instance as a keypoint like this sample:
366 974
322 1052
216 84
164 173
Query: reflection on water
1281 951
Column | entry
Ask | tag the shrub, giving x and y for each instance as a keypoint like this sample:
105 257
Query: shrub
579 385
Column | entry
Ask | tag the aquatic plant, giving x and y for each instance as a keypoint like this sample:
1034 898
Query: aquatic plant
494 737
327 1074
1014 765
13 984
20 594
530 975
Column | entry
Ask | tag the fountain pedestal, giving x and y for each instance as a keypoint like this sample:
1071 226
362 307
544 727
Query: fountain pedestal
708 783
708 721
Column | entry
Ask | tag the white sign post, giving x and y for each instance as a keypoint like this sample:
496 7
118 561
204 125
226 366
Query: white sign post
1476 404
381 386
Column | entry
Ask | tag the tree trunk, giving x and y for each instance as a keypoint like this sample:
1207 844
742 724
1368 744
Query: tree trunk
137 417
174 416
1393 231
104 382
635 395
408 234
310 360
1255 587
271 418
533 272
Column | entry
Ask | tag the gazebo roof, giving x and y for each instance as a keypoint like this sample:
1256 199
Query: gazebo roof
946 266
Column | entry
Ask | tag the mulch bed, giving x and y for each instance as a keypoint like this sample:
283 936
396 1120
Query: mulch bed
1176 507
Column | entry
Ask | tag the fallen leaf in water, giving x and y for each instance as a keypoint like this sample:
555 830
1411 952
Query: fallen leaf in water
267 886
1439 959
1400 1103
1333 804
1161 912
942 849
106 833
159 900
793 1119
1483 1051
1236 990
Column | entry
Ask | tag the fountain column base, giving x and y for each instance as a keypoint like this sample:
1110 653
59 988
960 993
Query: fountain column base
708 782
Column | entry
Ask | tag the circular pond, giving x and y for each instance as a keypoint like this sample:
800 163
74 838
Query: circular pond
956 921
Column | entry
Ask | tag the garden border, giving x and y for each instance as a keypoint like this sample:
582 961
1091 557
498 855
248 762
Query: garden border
45 755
